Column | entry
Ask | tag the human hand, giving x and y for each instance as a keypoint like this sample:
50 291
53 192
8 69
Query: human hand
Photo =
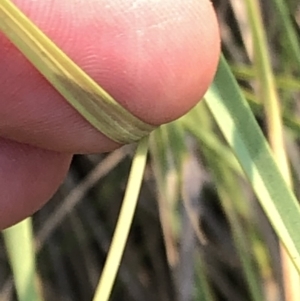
156 58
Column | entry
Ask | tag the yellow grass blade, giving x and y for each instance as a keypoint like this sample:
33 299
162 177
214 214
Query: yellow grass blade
104 288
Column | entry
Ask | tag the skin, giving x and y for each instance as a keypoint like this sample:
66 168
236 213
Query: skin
157 58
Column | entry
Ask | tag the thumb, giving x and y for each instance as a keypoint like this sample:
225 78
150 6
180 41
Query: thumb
156 58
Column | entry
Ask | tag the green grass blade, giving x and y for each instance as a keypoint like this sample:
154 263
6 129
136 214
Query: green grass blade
114 257
167 184
292 37
19 243
203 289
228 185
230 193
208 139
236 121
290 120
285 82
268 93
266 87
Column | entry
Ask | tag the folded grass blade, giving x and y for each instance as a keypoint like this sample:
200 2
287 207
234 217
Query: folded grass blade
84 94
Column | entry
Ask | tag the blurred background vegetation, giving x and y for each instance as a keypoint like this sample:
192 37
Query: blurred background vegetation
198 233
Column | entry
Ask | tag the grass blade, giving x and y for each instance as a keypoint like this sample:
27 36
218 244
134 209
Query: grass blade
292 37
113 260
272 106
243 134
19 243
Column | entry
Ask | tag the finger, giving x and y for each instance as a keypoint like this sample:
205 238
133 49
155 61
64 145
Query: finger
28 178
156 58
